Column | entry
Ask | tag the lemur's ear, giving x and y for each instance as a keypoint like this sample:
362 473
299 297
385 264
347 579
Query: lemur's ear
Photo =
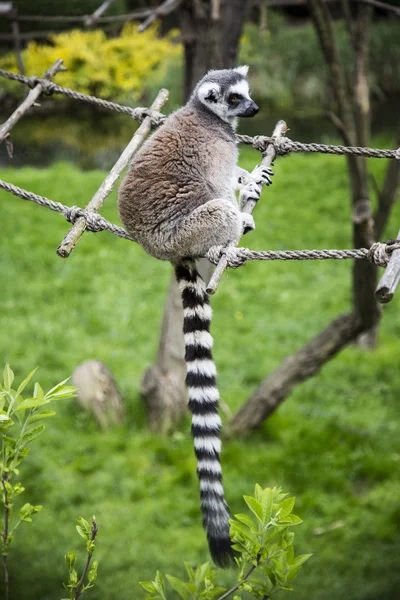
242 70
211 96
209 92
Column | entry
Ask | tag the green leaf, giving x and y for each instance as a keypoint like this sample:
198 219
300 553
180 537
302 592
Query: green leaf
148 586
81 532
85 526
70 559
160 585
32 433
31 403
27 510
4 417
25 382
254 506
8 377
292 519
301 559
189 570
246 520
266 505
180 587
92 575
60 391
286 507
38 391
43 414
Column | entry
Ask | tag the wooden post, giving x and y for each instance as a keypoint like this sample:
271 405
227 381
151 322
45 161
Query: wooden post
390 279
268 159
75 233
29 100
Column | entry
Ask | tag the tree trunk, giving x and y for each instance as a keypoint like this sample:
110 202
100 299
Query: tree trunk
352 117
211 31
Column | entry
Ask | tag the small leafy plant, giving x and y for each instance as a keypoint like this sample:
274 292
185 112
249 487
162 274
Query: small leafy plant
20 424
76 586
264 543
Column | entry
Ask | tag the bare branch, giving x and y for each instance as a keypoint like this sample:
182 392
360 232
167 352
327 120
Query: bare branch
382 5
161 11
29 100
93 19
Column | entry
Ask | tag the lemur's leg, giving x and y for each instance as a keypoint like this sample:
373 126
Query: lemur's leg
218 222
249 184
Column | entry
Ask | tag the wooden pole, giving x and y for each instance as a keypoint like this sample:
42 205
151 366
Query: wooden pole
75 233
390 279
268 159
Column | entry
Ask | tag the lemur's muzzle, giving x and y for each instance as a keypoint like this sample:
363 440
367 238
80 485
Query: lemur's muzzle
250 110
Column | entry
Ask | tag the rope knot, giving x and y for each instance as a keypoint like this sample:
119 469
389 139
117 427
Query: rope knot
235 257
156 118
380 252
94 222
48 87
73 213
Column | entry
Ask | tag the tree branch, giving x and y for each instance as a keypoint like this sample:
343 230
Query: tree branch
78 588
295 369
161 11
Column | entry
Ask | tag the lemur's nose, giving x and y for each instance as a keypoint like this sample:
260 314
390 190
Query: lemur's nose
255 108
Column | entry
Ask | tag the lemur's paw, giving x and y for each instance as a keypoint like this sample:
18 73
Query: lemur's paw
247 223
262 175
252 191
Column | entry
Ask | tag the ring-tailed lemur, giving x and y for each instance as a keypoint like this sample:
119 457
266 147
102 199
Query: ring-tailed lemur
178 200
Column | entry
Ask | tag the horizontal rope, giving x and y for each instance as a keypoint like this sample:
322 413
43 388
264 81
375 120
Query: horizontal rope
282 145
94 221
49 87
379 253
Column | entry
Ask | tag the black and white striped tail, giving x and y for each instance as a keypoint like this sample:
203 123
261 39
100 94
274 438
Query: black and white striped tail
203 404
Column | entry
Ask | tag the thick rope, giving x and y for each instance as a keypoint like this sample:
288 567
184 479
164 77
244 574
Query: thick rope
49 88
94 221
379 253
282 145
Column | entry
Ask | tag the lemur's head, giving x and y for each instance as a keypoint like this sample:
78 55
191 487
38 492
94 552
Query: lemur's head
226 93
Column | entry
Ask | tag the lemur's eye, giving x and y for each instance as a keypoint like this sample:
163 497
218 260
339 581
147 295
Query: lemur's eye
234 99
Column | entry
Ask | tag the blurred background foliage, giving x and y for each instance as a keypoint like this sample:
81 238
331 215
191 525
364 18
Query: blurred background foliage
123 68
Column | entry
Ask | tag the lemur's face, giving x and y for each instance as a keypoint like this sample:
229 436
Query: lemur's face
226 93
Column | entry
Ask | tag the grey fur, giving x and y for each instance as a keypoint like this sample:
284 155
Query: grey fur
178 198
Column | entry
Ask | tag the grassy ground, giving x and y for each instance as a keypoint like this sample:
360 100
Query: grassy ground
334 443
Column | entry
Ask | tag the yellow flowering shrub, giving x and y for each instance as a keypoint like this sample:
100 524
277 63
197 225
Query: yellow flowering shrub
117 68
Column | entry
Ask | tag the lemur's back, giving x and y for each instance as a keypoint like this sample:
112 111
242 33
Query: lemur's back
184 164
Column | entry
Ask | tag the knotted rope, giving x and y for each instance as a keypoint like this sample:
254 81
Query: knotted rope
379 253
284 145
49 87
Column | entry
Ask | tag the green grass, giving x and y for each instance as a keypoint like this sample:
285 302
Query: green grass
334 443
